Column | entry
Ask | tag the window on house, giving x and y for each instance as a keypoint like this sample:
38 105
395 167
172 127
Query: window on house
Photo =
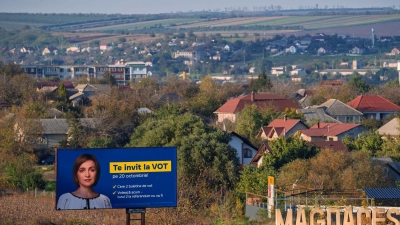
248 153
61 70
114 69
119 69
330 139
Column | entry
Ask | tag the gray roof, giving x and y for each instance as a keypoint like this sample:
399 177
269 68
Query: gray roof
334 107
54 126
383 193
312 114
61 126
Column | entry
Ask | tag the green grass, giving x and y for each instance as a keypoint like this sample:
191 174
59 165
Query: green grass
52 18
18 25
140 25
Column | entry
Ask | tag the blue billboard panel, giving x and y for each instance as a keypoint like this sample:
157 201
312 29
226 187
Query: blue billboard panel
116 178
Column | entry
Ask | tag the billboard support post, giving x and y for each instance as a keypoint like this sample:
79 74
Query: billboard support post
142 212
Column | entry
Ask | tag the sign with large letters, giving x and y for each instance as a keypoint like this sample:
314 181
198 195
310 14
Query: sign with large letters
121 178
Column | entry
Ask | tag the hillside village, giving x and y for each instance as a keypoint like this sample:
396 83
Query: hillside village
205 55
317 112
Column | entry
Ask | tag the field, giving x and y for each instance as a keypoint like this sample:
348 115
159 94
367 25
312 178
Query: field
307 22
152 23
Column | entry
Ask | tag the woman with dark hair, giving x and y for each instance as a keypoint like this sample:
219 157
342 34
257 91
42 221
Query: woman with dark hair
86 174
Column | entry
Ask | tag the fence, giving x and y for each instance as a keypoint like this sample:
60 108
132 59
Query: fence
33 192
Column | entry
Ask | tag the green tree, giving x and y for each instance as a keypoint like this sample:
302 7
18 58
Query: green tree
262 84
287 149
203 151
359 84
249 121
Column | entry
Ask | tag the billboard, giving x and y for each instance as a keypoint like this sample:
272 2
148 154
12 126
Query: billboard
116 178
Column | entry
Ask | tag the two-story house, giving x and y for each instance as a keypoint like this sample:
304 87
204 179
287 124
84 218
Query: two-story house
244 148
281 128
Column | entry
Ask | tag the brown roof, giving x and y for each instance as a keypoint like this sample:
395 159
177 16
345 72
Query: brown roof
261 100
264 147
372 103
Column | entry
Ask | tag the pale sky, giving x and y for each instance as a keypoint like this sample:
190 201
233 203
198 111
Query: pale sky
167 6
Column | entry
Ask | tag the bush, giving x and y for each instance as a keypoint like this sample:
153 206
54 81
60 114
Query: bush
50 186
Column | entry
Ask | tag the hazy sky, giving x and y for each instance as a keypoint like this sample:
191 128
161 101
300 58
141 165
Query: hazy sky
166 6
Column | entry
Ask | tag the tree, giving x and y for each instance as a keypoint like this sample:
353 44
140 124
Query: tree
359 84
263 83
249 121
207 100
287 149
334 170
203 151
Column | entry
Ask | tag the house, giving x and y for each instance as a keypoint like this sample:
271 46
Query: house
50 50
244 148
189 55
257 160
252 70
57 130
357 51
331 131
228 48
281 128
291 49
317 114
385 39
391 128
341 112
277 70
135 70
324 50
297 72
232 107
395 51
105 47
88 91
27 49
74 48
374 106
12 51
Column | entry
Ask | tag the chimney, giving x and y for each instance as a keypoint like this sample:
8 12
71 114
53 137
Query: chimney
252 96
328 128
284 117
318 124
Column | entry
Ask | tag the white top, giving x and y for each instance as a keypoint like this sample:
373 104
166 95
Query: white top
70 201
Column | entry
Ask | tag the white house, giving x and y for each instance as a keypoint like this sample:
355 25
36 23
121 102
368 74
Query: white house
297 72
244 148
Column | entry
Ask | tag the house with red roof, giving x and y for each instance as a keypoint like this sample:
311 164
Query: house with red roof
331 131
374 106
232 107
281 128
334 145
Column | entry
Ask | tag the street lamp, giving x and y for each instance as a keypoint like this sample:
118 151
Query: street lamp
293 186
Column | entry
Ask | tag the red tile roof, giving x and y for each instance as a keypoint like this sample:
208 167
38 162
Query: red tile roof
280 126
261 100
372 103
328 129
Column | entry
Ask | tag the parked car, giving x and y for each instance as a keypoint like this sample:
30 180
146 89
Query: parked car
48 160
